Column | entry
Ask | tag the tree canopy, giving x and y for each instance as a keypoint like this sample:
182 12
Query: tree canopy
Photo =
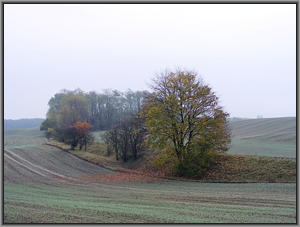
183 115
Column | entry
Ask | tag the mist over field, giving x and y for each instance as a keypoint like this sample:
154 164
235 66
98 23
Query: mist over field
149 113
22 123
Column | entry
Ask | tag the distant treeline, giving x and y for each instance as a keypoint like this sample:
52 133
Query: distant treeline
22 123
102 110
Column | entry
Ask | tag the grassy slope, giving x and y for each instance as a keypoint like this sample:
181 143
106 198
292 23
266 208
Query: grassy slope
244 168
275 137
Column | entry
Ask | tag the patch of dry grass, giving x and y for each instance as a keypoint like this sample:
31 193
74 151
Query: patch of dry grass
245 168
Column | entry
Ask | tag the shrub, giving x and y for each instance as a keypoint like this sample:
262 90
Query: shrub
166 162
196 164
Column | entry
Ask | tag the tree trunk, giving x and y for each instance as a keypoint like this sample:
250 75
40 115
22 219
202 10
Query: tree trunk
124 154
134 149
116 152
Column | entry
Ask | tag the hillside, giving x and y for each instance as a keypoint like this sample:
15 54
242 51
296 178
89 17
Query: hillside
22 123
274 137
43 184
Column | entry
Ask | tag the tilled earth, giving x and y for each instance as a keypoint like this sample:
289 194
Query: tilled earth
43 184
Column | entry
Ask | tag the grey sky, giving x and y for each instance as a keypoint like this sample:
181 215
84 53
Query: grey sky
247 53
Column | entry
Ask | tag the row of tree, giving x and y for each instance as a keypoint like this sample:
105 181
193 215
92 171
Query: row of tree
102 110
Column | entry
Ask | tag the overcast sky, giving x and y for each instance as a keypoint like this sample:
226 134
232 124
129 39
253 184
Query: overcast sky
246 53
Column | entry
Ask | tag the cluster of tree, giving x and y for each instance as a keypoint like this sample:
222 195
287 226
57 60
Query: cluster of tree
102 110
72 114
126 138
180 117
67 119
76 134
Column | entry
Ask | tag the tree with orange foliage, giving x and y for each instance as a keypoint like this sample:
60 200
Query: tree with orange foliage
78 134
83 132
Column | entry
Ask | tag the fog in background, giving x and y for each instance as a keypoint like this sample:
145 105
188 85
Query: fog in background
246 53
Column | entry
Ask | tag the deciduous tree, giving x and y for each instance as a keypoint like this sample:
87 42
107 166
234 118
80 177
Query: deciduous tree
83 132
183 114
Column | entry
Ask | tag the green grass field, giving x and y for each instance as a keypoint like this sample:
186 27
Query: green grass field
262 148
43 184
273 137
98 135
156 202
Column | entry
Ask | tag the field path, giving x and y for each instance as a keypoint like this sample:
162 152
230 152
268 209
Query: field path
36 160
36 168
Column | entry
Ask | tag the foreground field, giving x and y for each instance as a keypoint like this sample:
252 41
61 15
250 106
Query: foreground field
156 202
43 184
